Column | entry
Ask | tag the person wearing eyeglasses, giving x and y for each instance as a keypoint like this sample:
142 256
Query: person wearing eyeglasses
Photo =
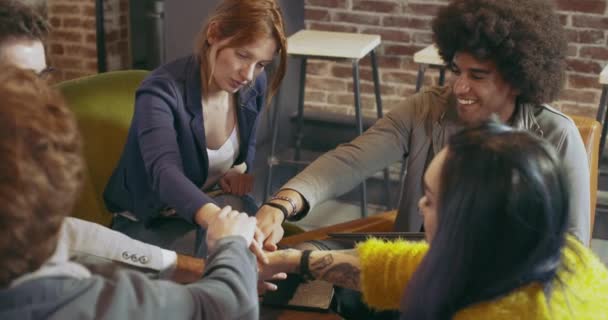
194 129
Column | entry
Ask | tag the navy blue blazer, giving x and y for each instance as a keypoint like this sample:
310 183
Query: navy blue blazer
164 162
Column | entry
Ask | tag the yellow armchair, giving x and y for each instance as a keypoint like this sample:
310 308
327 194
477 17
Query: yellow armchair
103 105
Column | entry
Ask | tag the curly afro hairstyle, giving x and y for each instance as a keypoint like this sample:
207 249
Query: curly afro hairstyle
523 37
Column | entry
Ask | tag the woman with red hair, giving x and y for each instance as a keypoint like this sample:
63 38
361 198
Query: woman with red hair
193 130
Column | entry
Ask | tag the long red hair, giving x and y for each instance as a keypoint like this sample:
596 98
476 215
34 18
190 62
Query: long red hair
245 21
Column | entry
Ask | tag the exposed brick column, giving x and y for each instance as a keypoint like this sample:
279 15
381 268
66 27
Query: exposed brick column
405 27
71 45
586 24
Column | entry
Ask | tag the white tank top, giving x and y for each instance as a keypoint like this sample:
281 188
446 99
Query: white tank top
222 159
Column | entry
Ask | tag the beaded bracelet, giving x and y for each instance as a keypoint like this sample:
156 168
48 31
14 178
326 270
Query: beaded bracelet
291 202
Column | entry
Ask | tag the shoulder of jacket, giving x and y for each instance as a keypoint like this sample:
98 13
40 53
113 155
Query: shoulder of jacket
551 119
175 72
554 112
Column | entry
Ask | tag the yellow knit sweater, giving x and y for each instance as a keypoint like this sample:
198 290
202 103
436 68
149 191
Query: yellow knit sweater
386 267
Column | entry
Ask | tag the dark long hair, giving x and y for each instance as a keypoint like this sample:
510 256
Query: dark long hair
502 217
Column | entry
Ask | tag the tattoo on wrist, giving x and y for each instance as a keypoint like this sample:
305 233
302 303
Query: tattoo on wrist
321 263
343 274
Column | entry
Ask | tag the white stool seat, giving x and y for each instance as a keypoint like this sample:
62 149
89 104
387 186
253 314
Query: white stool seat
312 44
336 45
604 76
429 55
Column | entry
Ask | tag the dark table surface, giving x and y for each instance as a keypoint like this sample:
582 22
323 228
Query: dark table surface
268 313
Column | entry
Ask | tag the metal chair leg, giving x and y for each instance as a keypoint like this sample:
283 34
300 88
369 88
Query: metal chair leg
441 76
380 114
275 133
420 76
300 120
359 120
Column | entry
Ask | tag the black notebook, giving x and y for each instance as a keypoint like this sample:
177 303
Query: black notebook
294 293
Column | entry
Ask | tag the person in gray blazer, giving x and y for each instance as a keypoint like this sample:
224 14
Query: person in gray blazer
41 174
102 250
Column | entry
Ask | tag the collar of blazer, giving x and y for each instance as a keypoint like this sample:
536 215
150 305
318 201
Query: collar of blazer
192 84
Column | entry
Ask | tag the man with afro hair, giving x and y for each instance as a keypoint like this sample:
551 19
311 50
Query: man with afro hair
507 60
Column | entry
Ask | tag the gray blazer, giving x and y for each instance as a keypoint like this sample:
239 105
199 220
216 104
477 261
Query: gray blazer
412 131
227 291
103 250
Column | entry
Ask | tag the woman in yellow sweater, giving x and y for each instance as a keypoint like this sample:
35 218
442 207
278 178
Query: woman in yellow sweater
495 212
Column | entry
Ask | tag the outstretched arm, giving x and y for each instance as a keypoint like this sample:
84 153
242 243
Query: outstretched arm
187 269
358 268
340 267
343 168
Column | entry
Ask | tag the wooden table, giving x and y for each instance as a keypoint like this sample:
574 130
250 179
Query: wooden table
380 222
267 313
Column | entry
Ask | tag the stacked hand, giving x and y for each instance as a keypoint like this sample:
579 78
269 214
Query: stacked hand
230 222
270 225
270 232
280 262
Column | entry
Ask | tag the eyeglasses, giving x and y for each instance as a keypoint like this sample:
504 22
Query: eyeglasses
45 74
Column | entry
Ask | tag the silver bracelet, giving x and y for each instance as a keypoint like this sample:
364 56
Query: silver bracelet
291 202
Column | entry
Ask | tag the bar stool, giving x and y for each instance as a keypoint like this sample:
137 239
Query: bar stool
428 57
337 46
602 115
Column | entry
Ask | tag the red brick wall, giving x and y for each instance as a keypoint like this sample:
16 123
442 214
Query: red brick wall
404 26
71 45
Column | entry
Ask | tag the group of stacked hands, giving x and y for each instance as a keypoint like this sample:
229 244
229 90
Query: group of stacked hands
505 207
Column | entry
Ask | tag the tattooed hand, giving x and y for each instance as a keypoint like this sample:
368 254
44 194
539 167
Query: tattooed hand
340 267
